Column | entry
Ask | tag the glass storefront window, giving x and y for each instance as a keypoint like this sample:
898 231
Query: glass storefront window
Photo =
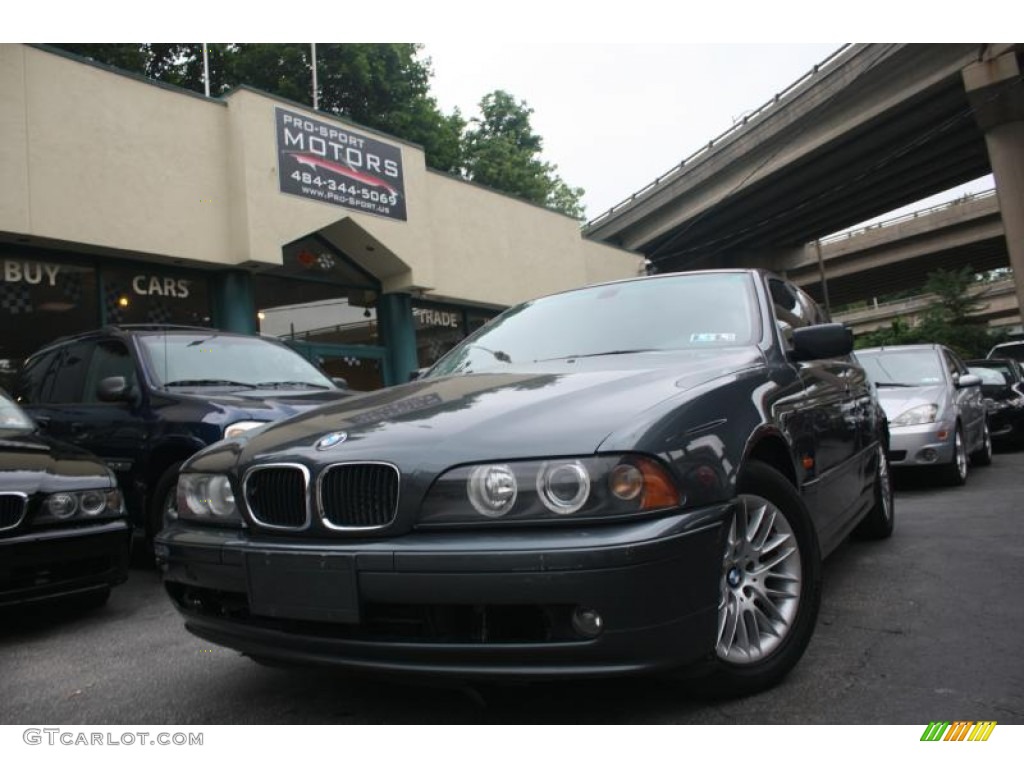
438 329
141 294
41 299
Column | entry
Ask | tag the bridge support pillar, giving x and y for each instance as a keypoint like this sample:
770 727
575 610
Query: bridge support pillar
996 93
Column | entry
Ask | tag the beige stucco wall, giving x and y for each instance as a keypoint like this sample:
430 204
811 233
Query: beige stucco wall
93 157
113 161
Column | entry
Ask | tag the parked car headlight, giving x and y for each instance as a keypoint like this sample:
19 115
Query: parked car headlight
922 414
995 405
595 487
81 505
207 498
241 427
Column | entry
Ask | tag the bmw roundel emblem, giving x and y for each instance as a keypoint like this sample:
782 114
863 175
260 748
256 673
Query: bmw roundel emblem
331 440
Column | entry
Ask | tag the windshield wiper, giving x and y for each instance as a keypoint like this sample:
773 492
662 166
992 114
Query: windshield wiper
894 384
598 354
207 383
280 384
501 357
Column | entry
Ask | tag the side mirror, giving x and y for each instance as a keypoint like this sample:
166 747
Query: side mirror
339 382
113 389
968 380
817 342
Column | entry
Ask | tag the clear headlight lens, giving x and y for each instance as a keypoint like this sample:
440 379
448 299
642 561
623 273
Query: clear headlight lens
492 490
922 414
206 497
62 505
590 488
81 505
241 427
563 487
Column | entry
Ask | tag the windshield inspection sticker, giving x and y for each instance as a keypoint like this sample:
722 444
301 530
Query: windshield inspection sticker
705 338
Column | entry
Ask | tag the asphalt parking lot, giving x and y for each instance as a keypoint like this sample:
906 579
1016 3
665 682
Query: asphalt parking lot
926 626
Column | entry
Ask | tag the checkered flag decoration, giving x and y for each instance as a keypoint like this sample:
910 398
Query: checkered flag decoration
71 286
15 299
159 314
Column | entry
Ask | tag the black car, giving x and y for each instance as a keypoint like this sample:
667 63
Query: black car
1002 385
631 477
63 528
145 398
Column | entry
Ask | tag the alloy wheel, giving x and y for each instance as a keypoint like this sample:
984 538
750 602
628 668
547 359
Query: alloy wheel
960 455
760 585
884 483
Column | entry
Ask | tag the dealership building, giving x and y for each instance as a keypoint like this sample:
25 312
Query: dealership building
123 200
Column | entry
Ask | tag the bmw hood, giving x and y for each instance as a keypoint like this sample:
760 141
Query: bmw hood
30 463
565 407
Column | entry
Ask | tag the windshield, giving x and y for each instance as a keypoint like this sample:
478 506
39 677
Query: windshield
696 311
994 375
212 360
910 368
11 416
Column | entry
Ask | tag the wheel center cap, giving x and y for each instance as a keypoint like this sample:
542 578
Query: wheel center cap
733 577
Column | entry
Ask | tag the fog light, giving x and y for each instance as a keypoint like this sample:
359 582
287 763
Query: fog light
587 622
928 455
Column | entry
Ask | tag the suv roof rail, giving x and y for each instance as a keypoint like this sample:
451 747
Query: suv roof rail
125 327
159 327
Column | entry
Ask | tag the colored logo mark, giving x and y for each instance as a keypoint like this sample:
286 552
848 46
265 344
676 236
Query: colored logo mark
331 440
959 730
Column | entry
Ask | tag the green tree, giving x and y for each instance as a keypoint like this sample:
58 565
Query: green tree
502 152
382 86
950 319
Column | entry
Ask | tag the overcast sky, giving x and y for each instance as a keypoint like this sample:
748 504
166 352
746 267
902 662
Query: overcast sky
615 116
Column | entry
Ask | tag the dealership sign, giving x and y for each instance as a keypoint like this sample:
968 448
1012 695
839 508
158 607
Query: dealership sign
324 162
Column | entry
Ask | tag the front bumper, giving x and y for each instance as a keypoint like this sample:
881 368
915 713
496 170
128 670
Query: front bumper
1006 423
469 604
45 563
924 445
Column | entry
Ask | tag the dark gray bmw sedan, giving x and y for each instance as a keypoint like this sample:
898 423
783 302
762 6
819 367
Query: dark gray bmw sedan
641 476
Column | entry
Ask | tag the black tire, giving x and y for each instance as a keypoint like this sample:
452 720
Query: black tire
955 473
880 521
983 456
728 674
164 492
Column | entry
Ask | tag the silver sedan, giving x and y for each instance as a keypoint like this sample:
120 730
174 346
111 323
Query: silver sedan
934 405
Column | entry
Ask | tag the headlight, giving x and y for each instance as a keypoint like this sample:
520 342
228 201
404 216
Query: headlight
241 427
209 498
591 488
995 405
81 505
922 414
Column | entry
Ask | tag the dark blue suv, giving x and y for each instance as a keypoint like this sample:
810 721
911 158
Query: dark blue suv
145 398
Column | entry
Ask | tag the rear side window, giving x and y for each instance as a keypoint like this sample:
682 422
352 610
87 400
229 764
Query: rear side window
36 379
69 380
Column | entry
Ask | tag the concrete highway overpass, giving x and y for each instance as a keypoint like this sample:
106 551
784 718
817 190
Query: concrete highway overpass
873 128
895 255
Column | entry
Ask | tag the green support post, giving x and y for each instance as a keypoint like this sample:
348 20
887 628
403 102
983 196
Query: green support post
398 335
234 308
